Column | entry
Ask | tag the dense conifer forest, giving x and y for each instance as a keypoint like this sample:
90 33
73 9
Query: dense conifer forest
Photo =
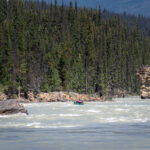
46 47
135 7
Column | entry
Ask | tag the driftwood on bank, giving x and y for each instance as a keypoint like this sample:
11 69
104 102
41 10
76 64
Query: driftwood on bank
11 107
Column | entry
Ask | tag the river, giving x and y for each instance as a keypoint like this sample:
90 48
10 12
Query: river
123 124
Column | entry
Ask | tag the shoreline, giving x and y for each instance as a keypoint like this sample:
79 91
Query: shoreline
56 97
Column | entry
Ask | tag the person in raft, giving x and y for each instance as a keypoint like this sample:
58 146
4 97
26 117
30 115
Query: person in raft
78 102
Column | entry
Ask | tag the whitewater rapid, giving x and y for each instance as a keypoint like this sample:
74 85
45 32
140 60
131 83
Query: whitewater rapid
68 115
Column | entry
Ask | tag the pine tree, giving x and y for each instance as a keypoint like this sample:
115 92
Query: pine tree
3 10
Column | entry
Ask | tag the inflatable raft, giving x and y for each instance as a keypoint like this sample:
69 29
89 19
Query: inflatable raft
79 102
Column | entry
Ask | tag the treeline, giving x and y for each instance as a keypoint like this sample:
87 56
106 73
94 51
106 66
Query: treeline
130 20
46 47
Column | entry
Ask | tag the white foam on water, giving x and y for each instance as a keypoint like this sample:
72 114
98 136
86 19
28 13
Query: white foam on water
69 115
141 120
120 109
30 105
55 127
111 119
12 124
13 115
35 116
93 111
33 124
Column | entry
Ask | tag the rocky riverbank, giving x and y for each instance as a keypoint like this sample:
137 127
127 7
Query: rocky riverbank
143 75
61 97
55 97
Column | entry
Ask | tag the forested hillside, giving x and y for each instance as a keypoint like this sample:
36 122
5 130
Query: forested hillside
133 7
46 47
131 11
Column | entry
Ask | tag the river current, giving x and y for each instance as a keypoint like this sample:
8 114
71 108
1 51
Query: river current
123 124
